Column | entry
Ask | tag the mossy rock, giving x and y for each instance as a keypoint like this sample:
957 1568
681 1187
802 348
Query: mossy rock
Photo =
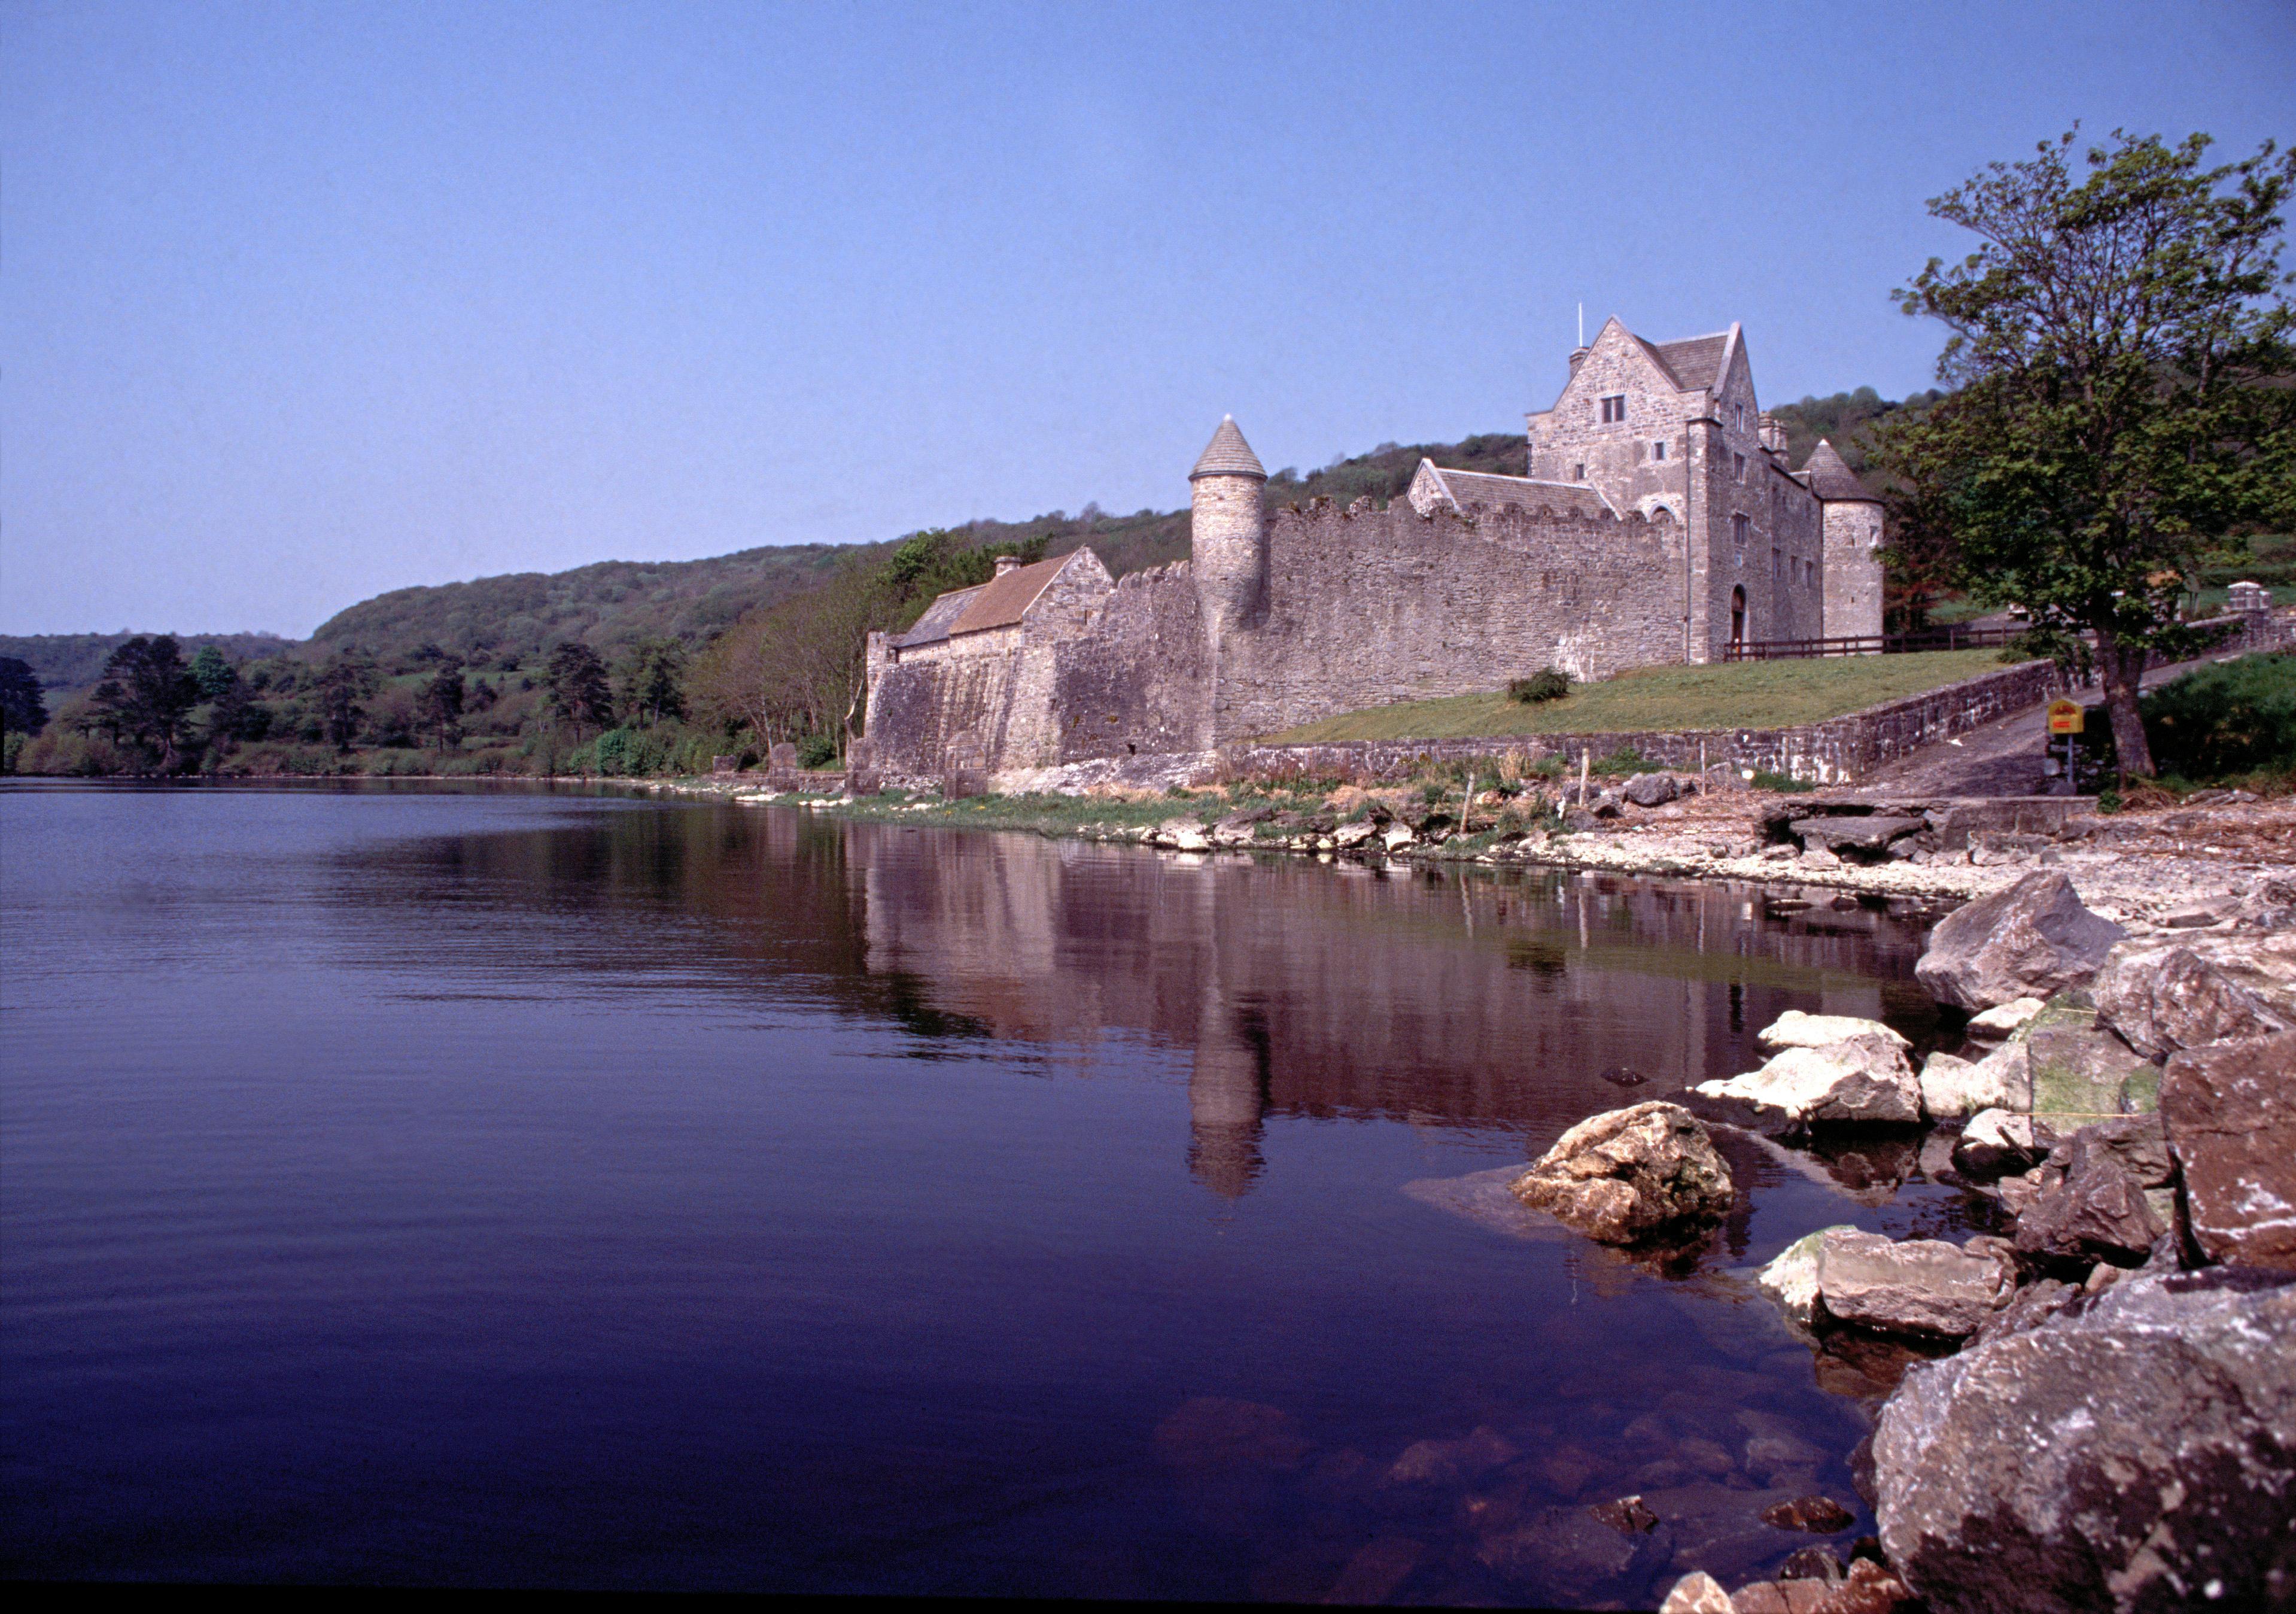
2081 1069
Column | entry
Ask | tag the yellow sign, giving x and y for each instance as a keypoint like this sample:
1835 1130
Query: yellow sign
2064 718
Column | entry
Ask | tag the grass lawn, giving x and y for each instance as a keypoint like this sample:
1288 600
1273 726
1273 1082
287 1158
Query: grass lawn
1739 694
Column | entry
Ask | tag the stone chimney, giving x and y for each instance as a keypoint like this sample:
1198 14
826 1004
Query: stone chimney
1579 357
1005 563
1774 435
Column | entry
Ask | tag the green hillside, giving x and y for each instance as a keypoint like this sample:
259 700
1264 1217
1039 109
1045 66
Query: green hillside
68 663
515 619
608 606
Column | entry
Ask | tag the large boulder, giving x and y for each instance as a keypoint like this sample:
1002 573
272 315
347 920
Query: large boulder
2093 1209
2003 1020
2230 1112
2163 995
2032 939
1953 1088
1864 1077
1651 790
1921 1286
1792 1279
1631 1176
1796 1029
2076 1068
2131 1452
1998 1142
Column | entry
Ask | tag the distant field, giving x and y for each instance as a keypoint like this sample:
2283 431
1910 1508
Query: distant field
1743 695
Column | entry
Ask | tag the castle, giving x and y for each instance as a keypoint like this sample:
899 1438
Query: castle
1659 523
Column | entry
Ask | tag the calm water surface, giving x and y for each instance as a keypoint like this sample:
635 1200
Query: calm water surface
518 1187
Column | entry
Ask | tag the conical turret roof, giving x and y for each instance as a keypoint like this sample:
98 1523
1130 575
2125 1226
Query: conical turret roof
1831 478
1228 455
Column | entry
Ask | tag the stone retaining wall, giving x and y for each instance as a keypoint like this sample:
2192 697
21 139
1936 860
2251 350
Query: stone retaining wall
1840 751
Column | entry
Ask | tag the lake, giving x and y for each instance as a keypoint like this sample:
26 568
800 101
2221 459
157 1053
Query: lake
518 1186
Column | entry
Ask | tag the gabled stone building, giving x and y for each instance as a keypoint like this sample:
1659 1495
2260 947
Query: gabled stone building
1660 522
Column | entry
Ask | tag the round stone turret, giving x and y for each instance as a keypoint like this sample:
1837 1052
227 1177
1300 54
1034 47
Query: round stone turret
1228 539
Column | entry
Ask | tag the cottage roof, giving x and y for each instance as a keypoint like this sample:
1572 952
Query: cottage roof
1002 601
1465 487
1695 362
1829 476
1228 455
933 626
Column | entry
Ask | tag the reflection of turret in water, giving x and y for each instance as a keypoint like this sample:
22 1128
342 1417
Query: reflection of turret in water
1227 1095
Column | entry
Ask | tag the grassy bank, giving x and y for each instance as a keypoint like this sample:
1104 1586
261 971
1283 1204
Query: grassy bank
1741 694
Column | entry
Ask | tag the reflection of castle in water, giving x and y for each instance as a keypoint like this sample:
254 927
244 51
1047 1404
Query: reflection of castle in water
1484 1000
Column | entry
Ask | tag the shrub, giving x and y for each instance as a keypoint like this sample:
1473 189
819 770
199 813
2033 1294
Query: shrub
2236 717
817 751
1545 685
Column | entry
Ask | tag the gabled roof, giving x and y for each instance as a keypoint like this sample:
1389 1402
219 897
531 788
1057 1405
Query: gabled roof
1695 362
1465 487
1002 601
934 625
1228 455
1829 476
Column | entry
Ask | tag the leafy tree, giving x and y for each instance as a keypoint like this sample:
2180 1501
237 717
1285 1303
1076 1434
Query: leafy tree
144 695
212 673
23 705
2120 363
344 683
577 690
653 679
234 716
438 708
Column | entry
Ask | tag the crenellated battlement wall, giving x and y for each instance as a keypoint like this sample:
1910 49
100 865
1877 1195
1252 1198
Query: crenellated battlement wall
1359 607
1366 606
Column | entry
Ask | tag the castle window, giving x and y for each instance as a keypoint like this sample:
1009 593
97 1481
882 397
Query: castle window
1737 467
1738 525
1658 450
1777 565
1579 472
1614 408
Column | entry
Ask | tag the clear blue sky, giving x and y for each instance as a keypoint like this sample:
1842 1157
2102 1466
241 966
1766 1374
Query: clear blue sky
301 302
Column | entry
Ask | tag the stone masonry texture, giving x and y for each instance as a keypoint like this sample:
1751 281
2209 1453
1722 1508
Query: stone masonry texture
1280 619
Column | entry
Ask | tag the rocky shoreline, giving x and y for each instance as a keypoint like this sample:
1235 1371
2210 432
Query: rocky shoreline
2115 1427
2093 1407
2154 869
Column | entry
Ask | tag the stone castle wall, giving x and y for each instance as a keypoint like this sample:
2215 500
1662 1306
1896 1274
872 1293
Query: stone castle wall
1365 607
1138 681
1360 607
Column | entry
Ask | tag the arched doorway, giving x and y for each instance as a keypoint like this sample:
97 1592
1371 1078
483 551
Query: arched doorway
1737 616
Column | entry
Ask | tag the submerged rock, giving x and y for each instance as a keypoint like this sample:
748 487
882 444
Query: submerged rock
1216 1434
2133 1453
1627 1515
2032 939
2230 1115
2161 996
1920 1286
1818 1515
1630 1176
1565 1553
